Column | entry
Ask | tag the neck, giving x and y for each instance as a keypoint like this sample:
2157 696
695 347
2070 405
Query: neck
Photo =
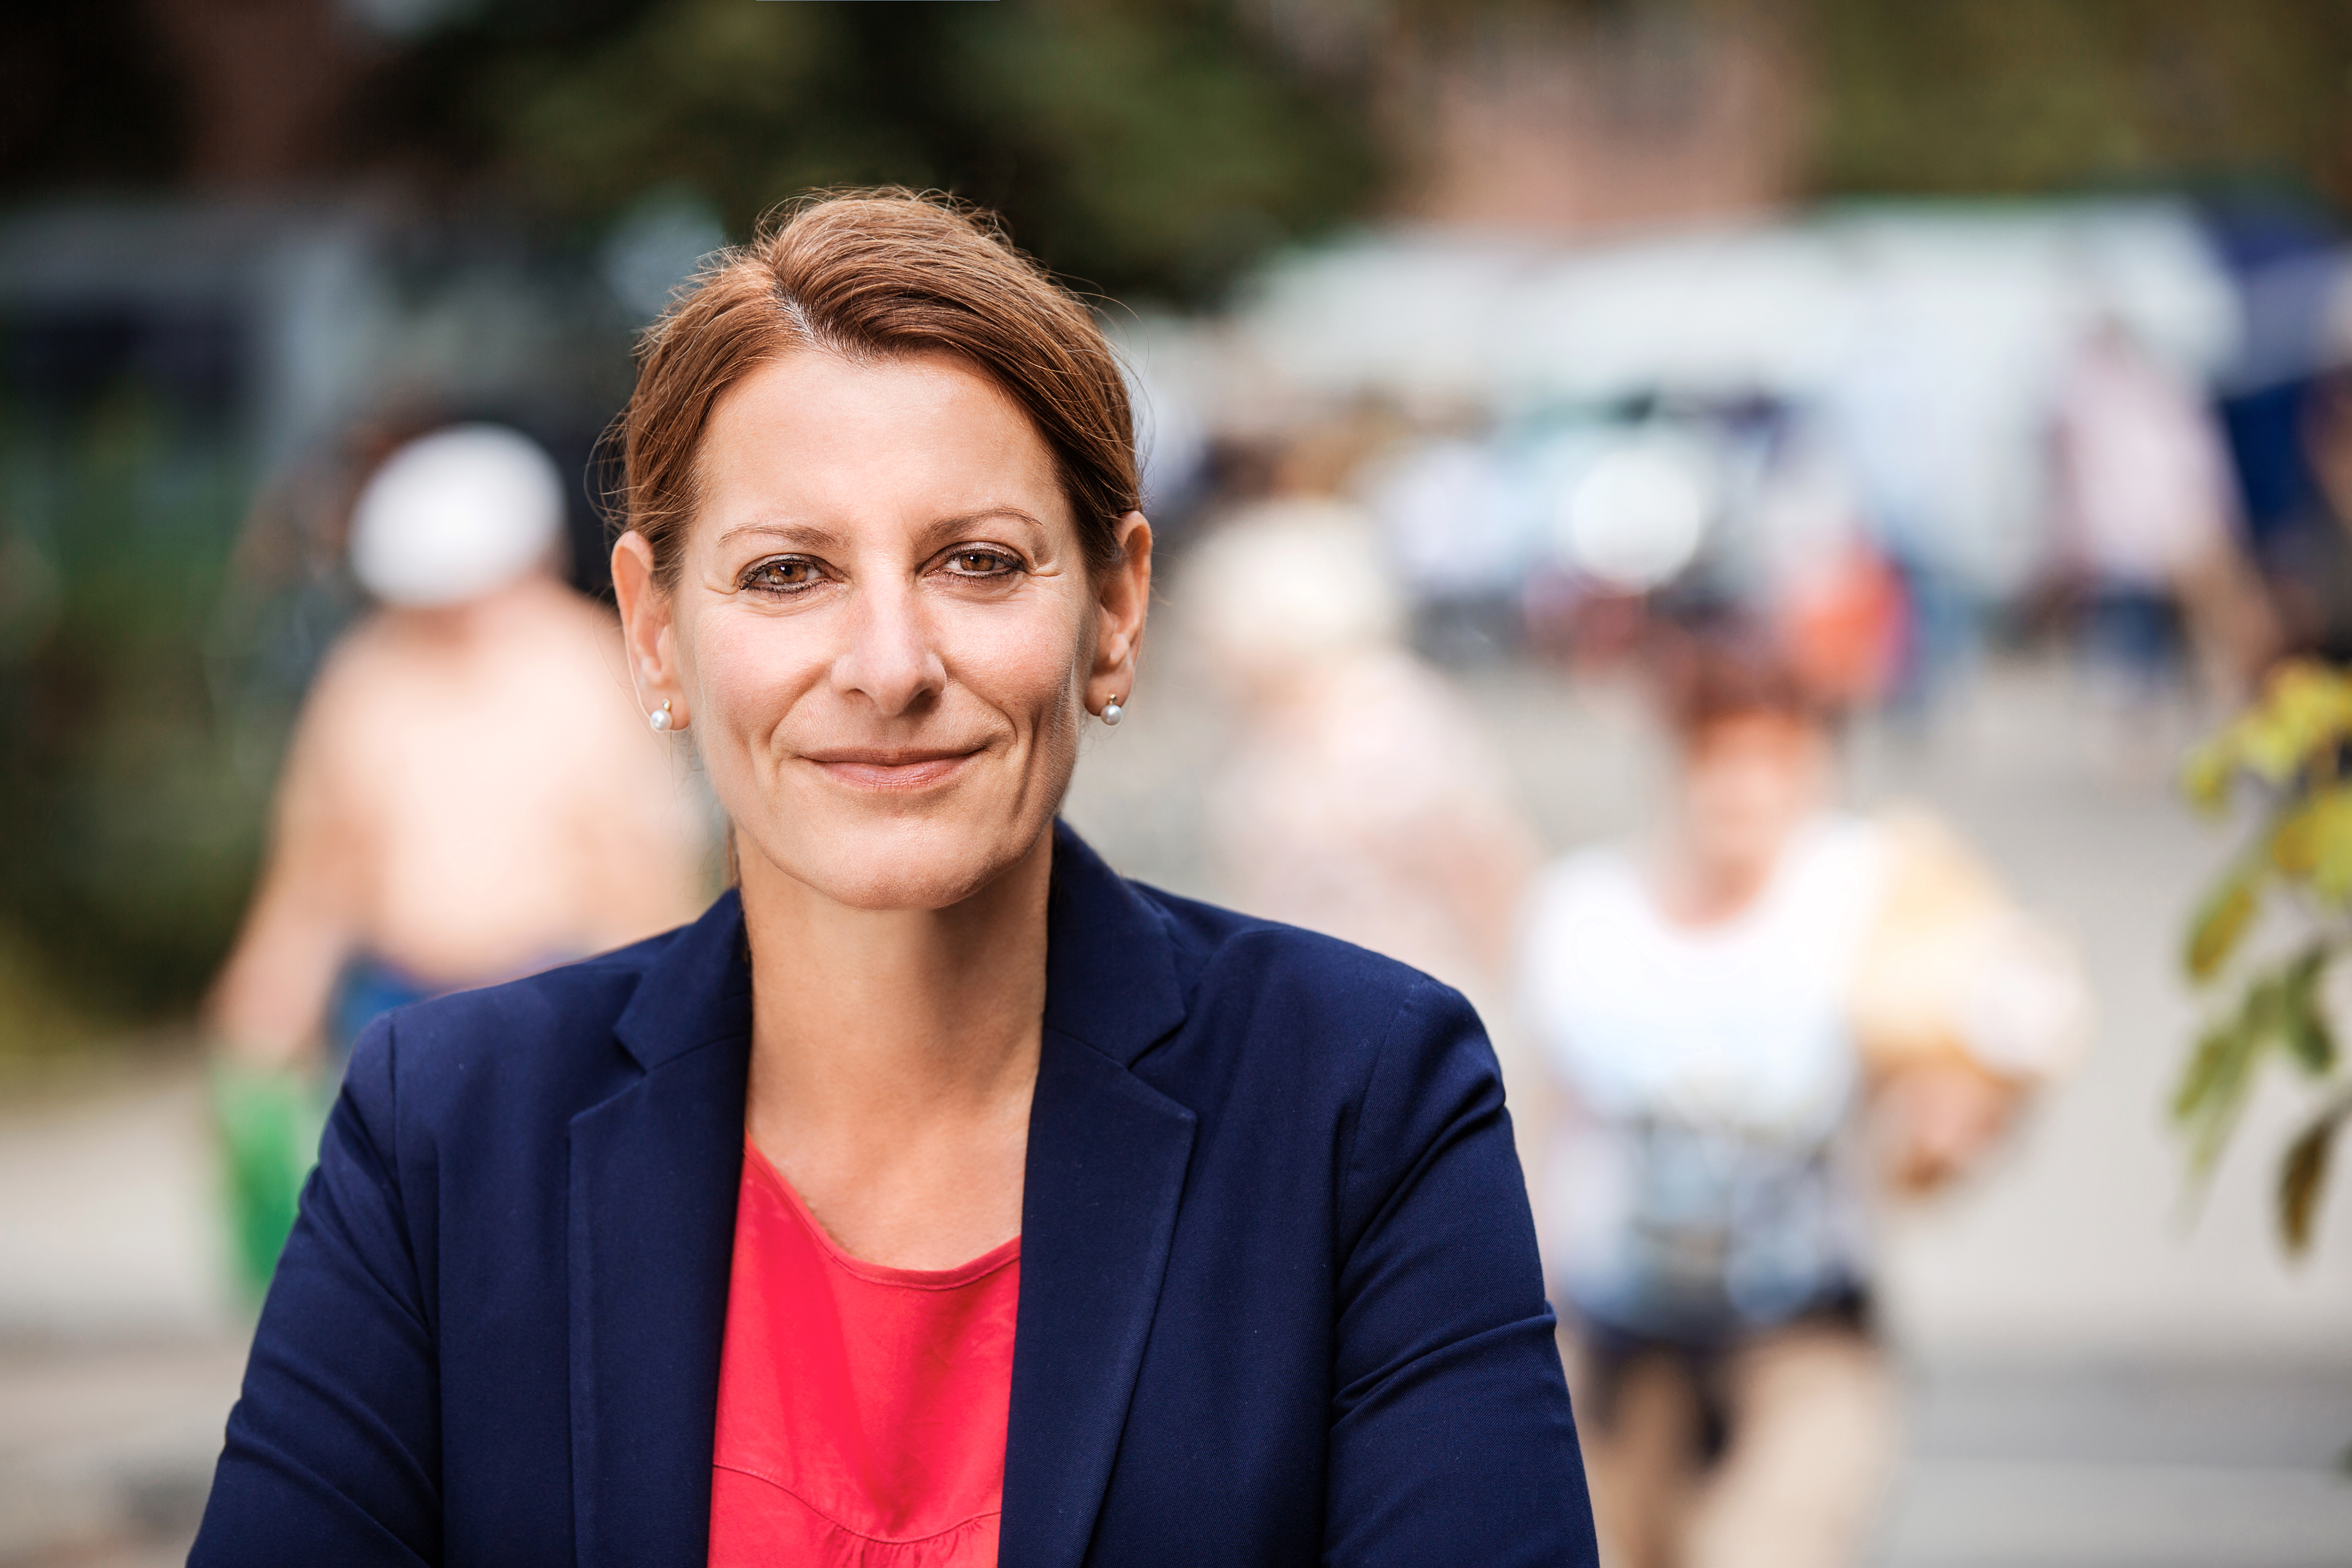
1702 890
472 620
875 1018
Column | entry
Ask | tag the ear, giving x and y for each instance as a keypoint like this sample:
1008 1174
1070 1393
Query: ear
1121 598
649 631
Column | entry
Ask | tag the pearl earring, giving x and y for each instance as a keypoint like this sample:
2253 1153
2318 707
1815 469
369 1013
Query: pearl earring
659 717
1112 712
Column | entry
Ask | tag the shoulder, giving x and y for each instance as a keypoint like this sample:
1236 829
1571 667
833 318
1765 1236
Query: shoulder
1228 951
1309 1011
545 1041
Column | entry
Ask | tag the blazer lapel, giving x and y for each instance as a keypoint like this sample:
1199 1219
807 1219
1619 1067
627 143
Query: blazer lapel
655 1172
654 1176
1106 1168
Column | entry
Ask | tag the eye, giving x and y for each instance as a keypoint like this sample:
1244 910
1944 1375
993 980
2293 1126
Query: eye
783 574
981 561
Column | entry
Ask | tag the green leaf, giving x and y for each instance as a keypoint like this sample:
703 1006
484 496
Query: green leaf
2206 1065
2306 710
2301 1017
2221 1075
2301 1175
2314 842
2331 871
2205 776
2228 910
2295 842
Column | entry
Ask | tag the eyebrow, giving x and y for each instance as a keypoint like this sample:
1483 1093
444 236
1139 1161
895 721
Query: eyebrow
952 525
812 536
802 534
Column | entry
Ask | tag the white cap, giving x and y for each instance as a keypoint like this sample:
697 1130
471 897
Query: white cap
453 515
1291 582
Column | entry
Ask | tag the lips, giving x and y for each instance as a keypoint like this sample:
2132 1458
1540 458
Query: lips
879 768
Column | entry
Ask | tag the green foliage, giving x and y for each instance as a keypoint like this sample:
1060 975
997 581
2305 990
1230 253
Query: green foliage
2228 909
140 828
1152 146
2305 1172
1992 96
2289 747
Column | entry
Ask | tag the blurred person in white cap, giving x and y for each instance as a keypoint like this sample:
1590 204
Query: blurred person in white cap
2149 513
470 795
1362 798
1761 1020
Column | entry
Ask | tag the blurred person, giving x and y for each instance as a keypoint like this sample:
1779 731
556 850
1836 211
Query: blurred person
468 797
1448 518
1836 604
1362 798
2308 557
939 1196
1717 1012
2147 508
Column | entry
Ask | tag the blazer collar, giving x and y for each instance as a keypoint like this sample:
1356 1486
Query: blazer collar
1110 970
651 1246
1110 964
1107 1154
696 990
654 1174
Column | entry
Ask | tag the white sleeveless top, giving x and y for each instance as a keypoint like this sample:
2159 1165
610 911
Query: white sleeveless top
1699 1190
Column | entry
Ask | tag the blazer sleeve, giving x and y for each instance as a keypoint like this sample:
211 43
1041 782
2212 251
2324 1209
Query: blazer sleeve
1452 1441
333 1449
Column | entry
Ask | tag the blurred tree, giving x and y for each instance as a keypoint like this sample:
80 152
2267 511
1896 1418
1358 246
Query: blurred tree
1149 146
1991 96
136 830
2291 746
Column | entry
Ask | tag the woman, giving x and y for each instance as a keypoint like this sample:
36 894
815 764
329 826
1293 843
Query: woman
1716 1014
938 1197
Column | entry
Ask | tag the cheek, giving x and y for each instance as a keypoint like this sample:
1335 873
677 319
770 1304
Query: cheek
746 668
1028 667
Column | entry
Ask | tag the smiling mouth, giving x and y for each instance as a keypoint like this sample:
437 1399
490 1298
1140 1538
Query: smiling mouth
889 770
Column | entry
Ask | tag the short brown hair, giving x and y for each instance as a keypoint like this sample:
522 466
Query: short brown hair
1718 677
876 274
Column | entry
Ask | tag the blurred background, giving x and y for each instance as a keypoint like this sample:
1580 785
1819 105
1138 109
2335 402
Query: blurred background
1992 364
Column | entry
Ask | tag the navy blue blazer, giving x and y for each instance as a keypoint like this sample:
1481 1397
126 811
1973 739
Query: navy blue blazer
1279 1295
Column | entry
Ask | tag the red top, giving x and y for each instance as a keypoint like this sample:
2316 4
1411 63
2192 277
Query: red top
861 1409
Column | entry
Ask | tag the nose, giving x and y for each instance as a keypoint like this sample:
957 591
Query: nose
888 658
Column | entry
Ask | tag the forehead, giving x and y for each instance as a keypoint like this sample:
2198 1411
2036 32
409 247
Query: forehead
1751 732
907 438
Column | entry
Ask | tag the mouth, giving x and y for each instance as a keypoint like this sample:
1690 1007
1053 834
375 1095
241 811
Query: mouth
890 768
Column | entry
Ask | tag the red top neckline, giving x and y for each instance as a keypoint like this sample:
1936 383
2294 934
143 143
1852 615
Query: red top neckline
954 1278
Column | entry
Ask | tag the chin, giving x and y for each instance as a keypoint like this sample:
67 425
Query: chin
906 863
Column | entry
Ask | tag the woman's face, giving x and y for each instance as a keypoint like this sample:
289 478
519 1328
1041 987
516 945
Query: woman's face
1749 781
882 632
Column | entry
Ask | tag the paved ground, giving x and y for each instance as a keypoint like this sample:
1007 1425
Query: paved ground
2095 1383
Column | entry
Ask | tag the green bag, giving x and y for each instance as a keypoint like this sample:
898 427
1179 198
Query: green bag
270 1120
